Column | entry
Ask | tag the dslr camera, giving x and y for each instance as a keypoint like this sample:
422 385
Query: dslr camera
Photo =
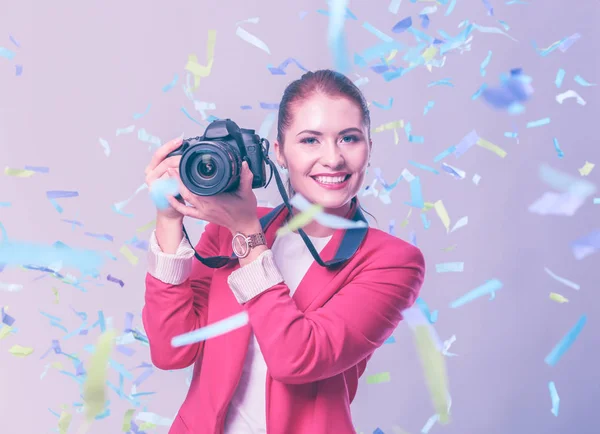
212 163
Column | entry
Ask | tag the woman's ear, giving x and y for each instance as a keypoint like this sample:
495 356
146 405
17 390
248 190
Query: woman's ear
279 153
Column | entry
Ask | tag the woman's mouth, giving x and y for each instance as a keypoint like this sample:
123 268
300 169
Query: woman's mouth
332 182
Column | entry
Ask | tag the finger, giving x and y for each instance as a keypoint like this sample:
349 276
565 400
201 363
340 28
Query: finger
161 169
247 176
180 207
163 151
187 195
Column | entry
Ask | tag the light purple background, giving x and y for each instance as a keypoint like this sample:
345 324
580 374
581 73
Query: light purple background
89 66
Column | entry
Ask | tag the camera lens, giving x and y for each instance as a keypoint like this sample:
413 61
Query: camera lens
207 167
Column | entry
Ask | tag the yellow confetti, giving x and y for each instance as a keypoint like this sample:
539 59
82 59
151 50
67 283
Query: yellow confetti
127 419
5 331
146 226
396 137
300 220
94 388
19 351
558 298
383 377
434 368
19 173
491 147
392 55
450 248
389 126
57 365
405 221
429 53
428 206
201 71
145 426
64 422
124 250
56 298
442 214
586 169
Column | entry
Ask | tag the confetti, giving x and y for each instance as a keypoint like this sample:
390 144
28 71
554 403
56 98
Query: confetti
202 71
6 53
428 107
18 173
489 287
559 151
485 63
402 25
586 169
465 144
126 130
434 368
463 221
491 147
212 330
394 6
383 377
280 70
558 298
538 123
127 420
105 146
154 419
582 81
94 390
562 280
570 94
450 267
586 245
19 351
124 250
171 85
566 342
312 212
440 209
554 397
560 76
163 188
251 39
10 287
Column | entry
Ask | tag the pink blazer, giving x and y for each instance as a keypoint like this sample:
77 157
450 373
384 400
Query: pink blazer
316 344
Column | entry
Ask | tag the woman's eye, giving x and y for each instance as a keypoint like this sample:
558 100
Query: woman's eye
350 139
309 140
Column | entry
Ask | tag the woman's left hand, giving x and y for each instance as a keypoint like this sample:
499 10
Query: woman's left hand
236 210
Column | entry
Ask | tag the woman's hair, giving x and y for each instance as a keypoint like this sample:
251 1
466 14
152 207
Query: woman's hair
324 81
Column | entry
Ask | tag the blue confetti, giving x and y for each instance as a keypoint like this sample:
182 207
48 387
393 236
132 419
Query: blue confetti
560 75
565 343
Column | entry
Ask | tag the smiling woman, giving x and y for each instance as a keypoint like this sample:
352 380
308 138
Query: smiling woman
323 139
313 325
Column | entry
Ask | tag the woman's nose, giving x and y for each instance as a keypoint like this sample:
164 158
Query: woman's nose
332 156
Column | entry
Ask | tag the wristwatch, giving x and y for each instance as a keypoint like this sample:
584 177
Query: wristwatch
242 244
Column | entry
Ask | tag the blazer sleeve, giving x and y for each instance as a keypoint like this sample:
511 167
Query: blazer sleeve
174 309
306 347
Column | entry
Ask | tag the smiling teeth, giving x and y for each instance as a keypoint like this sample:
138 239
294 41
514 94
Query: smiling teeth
330 179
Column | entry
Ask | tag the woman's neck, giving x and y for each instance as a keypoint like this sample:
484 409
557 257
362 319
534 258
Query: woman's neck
316 229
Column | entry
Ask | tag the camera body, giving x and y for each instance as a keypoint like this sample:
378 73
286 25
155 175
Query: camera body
212 163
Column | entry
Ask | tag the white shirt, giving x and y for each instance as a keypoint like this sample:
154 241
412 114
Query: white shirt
247 411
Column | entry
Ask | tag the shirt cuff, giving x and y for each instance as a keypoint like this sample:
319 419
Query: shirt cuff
174 268
254 278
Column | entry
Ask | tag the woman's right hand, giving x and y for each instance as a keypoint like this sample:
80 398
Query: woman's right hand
157 169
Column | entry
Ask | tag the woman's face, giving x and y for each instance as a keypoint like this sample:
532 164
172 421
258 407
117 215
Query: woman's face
326 150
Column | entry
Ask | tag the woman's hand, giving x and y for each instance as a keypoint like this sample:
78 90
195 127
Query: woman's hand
236 210
157 169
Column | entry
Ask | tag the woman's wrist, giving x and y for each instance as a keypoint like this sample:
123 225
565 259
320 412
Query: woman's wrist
169 233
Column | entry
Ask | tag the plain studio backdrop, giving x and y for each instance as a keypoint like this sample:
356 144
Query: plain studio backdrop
85 69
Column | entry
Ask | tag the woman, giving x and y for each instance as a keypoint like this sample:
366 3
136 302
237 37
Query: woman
295 367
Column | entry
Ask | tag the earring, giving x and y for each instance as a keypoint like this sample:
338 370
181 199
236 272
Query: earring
283 167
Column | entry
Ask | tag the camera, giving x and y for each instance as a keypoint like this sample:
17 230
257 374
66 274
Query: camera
212 163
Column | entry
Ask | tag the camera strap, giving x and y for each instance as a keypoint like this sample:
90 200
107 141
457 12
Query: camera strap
351 241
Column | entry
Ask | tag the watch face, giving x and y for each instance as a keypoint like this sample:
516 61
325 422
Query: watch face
239 245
